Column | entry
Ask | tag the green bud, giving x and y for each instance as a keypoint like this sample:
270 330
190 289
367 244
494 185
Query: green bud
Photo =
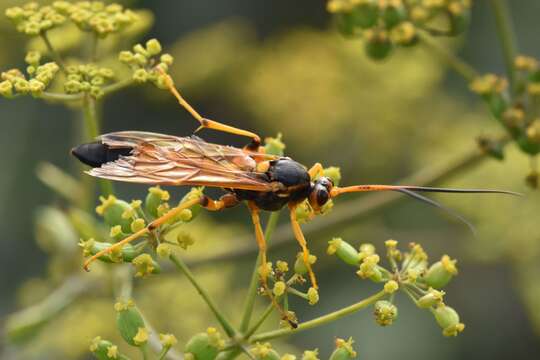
145 265
105 350
366 249
140 76
393 14
364 16
32 28
344 350
279 288
127 253
140 59
156 196
106 73
14 13
33 58
112 209
440 273
97 81
164 250
194 193
300 267
432 298
205 346
96 92
166 59
6 88
378 45
126 57
385 312
139 49
264 352
21 86
344 251
72 87
448 320
153 47
36 87
311 355
274 146
129 322
313 296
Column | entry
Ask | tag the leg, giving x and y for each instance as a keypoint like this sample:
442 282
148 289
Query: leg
303 244
225 201
264 269
316 170
207 123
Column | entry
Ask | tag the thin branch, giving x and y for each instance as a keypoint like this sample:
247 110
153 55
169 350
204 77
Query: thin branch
55 54
507 37
219 316
321 320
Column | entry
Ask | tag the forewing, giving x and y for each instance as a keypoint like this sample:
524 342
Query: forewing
170 160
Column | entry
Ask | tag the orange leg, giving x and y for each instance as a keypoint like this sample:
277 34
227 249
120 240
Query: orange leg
153 225
264 269
207 123
303 244
315 170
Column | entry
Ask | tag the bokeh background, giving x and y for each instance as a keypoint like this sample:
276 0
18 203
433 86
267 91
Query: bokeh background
274 67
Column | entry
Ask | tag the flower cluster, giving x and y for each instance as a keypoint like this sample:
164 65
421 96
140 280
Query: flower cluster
96 16
125 219
410 272
38 77
88 79
145 63
387 24
132 328
516 108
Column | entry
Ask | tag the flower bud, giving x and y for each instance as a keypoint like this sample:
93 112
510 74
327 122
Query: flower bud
311 355
33 58
432 298
378 45
166 59
126 57
264 352
127 253
313 296
153 47
344 350
282 266
205 346
105 350
274 146
385 312
140 76
194 193
164 250
364 15
112 209
156 196
6 88
130 323
300 267
366 249
440 273
391 287
393 14
448 320
145 265
167 340
279 288
344 251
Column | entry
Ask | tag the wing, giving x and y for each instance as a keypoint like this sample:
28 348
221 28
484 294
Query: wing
170 160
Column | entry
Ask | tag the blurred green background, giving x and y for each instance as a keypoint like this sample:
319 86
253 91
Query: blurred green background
280 66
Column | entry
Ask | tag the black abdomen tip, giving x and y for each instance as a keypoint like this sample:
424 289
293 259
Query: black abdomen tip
96 154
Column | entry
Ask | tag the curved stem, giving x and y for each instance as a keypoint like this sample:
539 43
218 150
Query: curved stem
109 89
252 291
55 54
507 37
219 316
457 64
259 322
333 316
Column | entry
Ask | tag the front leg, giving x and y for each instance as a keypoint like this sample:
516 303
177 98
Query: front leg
303 244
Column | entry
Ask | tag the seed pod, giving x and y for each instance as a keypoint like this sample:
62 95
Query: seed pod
105 350
448 320
112 209
205 346
378 47
127 253
129 322
364 16
264 352
156 196
385 312
344 251
194 193
432 298
344 350
440 273
393 14
145 265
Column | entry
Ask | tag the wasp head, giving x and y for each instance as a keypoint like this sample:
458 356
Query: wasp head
320 192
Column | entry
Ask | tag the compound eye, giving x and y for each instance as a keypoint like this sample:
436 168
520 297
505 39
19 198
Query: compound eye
322 196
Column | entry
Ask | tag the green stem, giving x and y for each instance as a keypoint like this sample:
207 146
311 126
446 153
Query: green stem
259 322
507 37
144 351
219 316
55 54
254 283
457 64
333 316
78 97
163 352
92 131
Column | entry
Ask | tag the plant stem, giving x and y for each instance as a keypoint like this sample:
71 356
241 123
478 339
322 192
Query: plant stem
333 316
457 64
259 322
109 89
92 131
252 291
219 316
507 37
144 351
55 54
